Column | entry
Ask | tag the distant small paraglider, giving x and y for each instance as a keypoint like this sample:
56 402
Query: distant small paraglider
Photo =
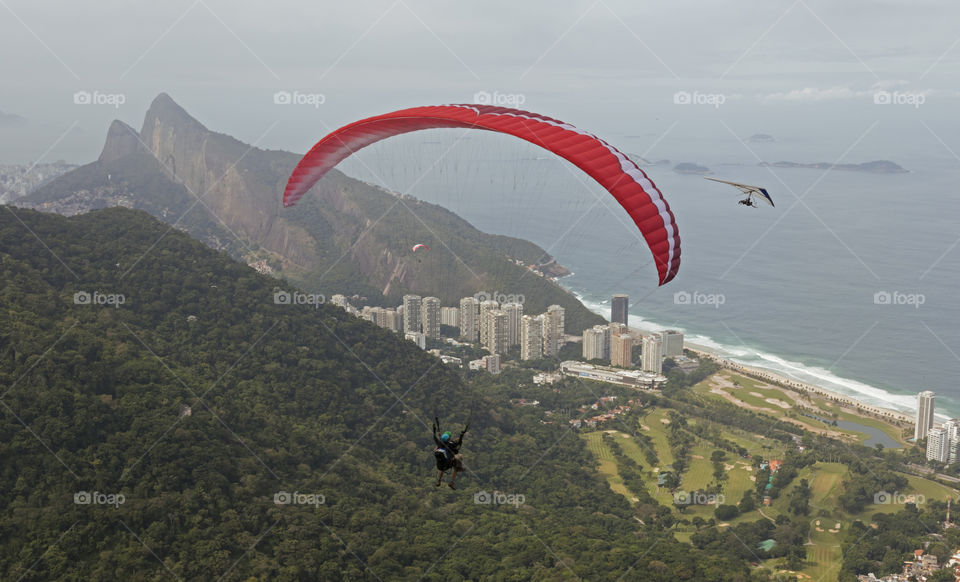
750 191
419 247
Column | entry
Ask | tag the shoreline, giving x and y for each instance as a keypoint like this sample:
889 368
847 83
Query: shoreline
893 416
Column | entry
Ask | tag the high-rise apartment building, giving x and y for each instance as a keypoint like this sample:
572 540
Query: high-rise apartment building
938 443
485 308
596 343
672 343
450 316
553 334
651 355
492 363
494 329
514 312
470 319
385 317
952 427
531 337
924 420
430 317
411 313
618 309
621 350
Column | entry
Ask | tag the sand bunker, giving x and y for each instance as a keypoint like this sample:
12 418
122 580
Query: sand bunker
721 381
718 383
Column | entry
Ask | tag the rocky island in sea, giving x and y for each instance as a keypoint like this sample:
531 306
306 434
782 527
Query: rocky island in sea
760 138
690 168
874 167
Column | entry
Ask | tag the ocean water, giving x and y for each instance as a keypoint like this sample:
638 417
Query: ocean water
850 283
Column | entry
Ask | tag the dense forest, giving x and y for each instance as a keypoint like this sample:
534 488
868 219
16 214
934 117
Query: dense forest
162 417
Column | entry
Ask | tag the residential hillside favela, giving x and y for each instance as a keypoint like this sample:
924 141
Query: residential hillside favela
18 180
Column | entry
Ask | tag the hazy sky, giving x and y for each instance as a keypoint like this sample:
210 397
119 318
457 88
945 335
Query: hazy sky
616 67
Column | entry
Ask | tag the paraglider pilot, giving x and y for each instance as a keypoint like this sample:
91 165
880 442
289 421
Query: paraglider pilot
447 453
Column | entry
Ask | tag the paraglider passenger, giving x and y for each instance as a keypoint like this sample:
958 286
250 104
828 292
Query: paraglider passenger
448 454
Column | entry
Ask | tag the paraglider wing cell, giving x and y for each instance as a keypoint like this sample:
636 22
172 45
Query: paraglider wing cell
613 170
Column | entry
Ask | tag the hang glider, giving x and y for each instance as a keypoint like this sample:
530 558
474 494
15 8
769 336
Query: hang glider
750 191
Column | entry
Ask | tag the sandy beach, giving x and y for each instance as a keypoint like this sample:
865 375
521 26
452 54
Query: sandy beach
780 380
785 382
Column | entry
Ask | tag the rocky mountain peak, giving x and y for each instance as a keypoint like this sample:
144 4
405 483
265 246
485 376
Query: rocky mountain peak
122 140
165 111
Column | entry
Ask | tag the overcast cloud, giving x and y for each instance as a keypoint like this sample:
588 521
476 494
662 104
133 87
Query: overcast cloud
614 66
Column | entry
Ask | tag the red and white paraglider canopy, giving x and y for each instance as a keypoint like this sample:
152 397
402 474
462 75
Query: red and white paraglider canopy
613 170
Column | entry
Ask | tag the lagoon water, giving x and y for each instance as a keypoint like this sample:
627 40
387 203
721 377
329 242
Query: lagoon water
876 436
849 283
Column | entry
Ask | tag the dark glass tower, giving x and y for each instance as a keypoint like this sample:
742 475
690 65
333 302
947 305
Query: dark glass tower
618 309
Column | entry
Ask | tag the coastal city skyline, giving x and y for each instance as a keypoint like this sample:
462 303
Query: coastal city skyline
499 327
612 342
